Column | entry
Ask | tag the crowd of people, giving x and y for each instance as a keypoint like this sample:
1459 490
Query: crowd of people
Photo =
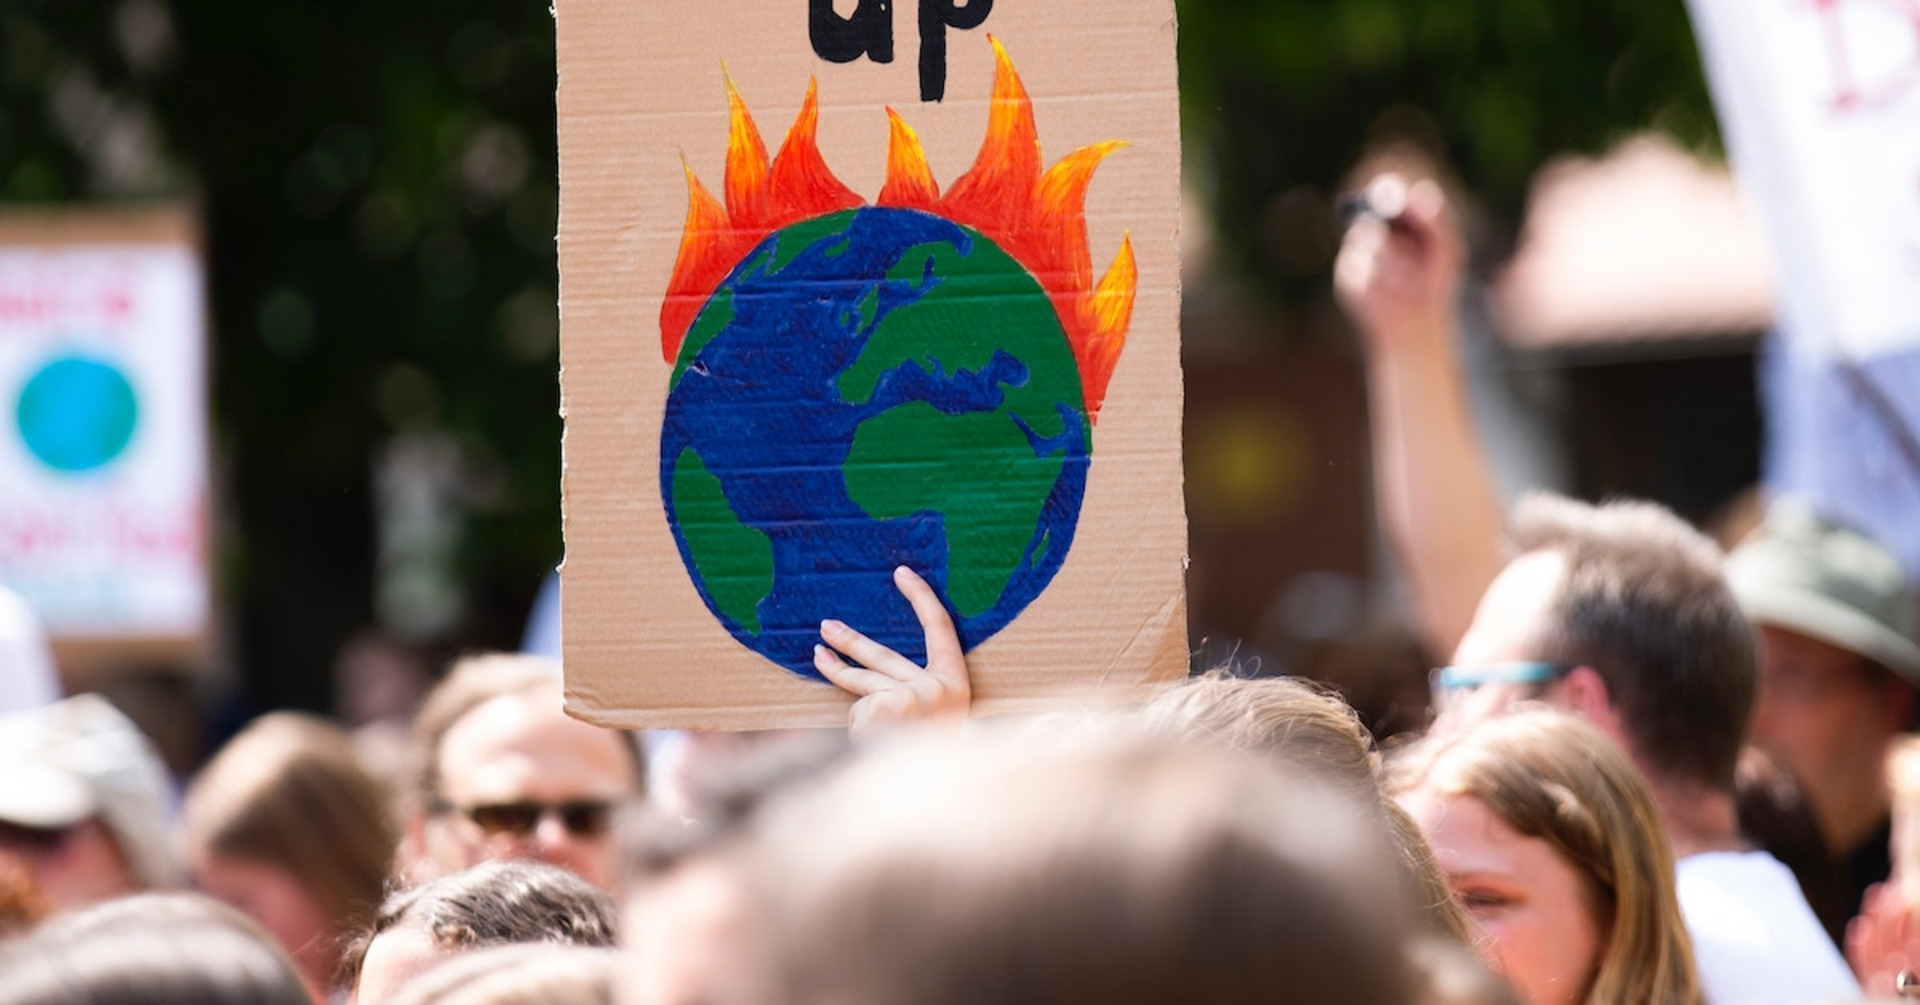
1654 774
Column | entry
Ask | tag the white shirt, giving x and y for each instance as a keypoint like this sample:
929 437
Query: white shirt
1754 938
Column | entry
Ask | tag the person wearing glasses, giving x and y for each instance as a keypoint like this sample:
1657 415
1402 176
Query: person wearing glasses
500 771
1618 613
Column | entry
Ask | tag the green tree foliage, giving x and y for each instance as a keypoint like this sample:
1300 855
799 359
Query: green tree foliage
378 187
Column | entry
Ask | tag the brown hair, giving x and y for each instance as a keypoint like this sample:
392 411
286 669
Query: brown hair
1558 778
1118 868
494 904
1645 605
287 791
153 947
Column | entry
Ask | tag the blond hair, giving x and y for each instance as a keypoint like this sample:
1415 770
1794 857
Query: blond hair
1295 723
1285 717
1554 777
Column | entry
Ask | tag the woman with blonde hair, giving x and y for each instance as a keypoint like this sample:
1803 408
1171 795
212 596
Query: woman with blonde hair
285 825
1552 841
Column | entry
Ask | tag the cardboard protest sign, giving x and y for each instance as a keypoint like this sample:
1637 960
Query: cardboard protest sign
103 429
937 326
1820 104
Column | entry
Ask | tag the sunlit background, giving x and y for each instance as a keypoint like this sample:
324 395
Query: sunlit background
376 184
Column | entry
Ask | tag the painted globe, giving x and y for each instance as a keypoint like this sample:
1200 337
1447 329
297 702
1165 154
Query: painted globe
874 388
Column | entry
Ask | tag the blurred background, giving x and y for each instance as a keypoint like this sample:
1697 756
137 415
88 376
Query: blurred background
375 184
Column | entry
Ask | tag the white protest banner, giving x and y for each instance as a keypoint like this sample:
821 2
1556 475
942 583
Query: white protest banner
1819 101
103 429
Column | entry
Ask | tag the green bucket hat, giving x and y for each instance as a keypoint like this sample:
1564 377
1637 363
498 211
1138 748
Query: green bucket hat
1805 573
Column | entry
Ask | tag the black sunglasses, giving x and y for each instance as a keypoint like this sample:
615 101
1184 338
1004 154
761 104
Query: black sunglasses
581 817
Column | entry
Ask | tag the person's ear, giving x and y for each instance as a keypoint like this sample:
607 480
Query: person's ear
1584 693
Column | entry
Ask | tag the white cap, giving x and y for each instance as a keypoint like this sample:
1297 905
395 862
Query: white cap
82 759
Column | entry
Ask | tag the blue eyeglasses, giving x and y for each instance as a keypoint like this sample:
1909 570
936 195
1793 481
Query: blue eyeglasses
1459 678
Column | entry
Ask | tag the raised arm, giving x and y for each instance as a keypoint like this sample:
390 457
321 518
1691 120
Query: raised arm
1398 275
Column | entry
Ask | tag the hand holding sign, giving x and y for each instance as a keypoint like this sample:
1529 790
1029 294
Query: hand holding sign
892 689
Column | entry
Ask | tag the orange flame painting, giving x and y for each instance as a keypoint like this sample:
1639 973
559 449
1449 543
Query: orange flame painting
1038 216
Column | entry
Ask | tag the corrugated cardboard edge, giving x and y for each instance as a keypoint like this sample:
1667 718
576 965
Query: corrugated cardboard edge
160 223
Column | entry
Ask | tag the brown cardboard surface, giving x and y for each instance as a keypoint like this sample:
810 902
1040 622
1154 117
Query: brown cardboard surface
165 223
643 102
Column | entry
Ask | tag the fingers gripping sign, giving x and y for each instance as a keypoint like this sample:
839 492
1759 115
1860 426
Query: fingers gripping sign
891 688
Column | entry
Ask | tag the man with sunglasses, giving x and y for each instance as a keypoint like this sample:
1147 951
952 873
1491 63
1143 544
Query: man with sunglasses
500 772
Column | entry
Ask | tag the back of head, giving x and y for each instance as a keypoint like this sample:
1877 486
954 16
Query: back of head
289 792
172 947
1451 974
1296 724
81 759
1291 720
1116 869
1645 605
496 904
520 975
1555 777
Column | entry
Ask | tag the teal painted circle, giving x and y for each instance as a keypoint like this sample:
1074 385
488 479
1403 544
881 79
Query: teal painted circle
77 414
